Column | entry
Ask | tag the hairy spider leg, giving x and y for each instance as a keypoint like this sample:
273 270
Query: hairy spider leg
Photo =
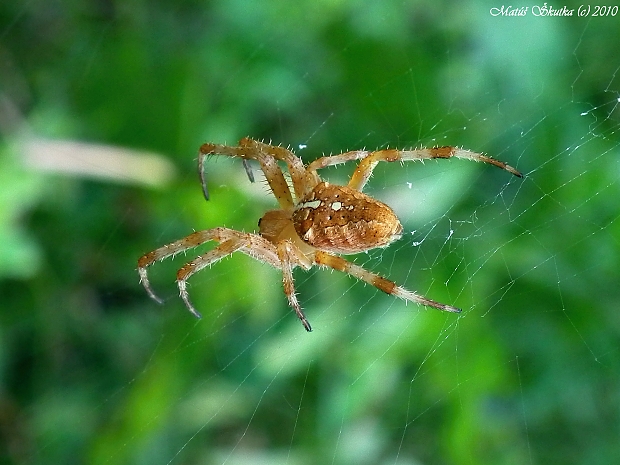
250 244
387 286
268 164
253 245
224 249
303 181
290 256
365 168
332 160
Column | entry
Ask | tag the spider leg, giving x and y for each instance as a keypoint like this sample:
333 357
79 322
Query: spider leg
332 160
208 149
340 264
248 170
201 262
189 242
251 244
367 165
268 164
303 181
290 256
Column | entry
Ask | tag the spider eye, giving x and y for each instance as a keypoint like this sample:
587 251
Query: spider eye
259 220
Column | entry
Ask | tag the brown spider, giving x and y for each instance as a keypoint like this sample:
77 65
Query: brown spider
323 220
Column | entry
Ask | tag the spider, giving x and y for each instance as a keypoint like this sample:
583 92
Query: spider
314 227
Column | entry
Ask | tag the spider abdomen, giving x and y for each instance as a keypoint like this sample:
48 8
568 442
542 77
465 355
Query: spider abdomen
342 220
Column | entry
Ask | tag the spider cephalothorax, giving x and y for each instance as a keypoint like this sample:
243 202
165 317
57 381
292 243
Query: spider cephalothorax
323 220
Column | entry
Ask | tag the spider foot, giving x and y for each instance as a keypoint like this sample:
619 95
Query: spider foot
306 323
248 170
144 280
414 297
185 296
447 308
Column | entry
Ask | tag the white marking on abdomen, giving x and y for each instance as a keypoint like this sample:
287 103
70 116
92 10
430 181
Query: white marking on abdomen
312 204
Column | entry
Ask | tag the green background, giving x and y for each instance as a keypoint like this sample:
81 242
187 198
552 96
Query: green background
93 371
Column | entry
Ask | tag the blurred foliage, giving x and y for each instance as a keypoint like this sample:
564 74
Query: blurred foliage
92 371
